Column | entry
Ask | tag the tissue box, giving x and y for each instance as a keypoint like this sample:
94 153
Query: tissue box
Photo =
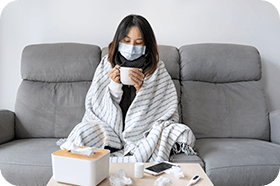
80 169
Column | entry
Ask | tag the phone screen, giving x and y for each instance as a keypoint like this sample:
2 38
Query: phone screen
160 167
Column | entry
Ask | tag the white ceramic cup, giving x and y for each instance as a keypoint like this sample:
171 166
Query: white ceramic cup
125 79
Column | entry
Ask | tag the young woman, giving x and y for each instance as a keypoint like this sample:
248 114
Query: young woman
139 122
134 45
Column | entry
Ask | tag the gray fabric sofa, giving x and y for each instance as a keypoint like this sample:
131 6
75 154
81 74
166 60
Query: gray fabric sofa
220 98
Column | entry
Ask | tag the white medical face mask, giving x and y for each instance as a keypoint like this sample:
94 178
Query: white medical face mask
131 52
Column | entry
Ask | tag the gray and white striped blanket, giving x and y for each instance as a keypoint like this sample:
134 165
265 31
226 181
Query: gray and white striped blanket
151 123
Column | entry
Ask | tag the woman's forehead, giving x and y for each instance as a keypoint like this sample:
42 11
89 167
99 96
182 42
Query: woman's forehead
134 33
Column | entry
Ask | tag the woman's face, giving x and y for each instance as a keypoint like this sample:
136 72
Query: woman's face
134 37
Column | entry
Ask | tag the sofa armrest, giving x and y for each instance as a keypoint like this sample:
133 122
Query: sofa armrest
274 119
7 125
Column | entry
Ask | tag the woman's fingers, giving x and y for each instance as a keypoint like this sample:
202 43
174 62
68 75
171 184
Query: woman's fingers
137 78
115 74
136 75
116 79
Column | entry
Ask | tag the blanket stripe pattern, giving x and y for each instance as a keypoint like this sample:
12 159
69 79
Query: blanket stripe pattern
151 123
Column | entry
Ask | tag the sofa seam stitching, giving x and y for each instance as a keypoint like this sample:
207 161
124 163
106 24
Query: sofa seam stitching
55 111
226 167
24 164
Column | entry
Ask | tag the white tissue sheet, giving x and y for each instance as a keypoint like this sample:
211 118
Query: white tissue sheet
162 181
77 150
120 178
175 171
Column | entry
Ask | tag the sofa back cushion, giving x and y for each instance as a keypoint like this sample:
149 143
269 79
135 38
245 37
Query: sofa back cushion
221 92
220 63
51 97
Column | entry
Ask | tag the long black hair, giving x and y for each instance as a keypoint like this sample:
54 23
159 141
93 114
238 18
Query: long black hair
148 37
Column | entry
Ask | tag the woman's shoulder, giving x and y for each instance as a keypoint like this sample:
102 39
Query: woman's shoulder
160 64
104 63
105 58
160 68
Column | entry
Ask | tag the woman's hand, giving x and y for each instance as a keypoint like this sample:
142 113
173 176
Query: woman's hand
115 74
137 78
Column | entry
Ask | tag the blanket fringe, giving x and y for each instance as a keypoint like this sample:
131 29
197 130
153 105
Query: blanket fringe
183 147
61 141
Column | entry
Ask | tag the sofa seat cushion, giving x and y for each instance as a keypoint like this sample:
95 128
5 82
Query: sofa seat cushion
27 161
239 161
183 158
